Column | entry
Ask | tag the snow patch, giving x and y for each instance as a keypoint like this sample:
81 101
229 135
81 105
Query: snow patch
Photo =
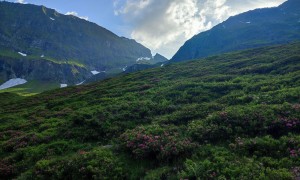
22 54
143 58
124 69
80 83
161 65
95 72
12 82
42 55
248 22
52 18
63 85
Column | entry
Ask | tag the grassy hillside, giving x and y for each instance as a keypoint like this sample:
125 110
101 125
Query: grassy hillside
233 116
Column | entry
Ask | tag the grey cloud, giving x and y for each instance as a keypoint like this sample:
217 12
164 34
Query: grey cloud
164 26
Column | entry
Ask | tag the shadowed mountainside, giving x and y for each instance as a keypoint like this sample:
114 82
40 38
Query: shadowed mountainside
257 28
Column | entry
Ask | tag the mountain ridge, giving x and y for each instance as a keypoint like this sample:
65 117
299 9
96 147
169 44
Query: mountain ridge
255 28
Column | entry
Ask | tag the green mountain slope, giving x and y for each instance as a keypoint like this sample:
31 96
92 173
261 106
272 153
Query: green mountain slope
232 116
257 28
46 35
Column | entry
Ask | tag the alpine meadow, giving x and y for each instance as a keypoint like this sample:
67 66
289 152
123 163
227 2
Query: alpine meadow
225 106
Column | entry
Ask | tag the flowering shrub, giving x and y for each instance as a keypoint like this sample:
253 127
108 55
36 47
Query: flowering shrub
160 145
287 122
296 172
20 142
5 135
283 125
96 164
6 169
294 152
296 107
246 121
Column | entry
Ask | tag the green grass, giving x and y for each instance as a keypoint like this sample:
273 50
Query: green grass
233 116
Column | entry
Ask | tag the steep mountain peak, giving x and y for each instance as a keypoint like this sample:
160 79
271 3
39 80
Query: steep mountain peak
46 35
158 58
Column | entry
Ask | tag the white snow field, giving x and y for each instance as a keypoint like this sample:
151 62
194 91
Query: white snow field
95 72
12 82
63 85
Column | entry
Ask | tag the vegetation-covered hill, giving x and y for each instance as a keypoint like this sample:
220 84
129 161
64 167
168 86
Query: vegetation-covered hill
232 116
257 28
53 39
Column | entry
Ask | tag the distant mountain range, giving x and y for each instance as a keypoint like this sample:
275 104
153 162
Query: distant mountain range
142 64
257 28
37 43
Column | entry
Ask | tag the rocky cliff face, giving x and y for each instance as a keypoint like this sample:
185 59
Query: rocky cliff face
42 70
38 31
255 28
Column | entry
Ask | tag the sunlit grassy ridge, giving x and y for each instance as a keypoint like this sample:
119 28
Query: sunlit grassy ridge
230 116
12 54
32 88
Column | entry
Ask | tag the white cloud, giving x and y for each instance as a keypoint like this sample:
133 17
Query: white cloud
73 13
238 6
132 6
21 1
163 26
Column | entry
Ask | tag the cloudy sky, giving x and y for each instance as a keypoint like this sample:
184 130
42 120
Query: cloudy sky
161 25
